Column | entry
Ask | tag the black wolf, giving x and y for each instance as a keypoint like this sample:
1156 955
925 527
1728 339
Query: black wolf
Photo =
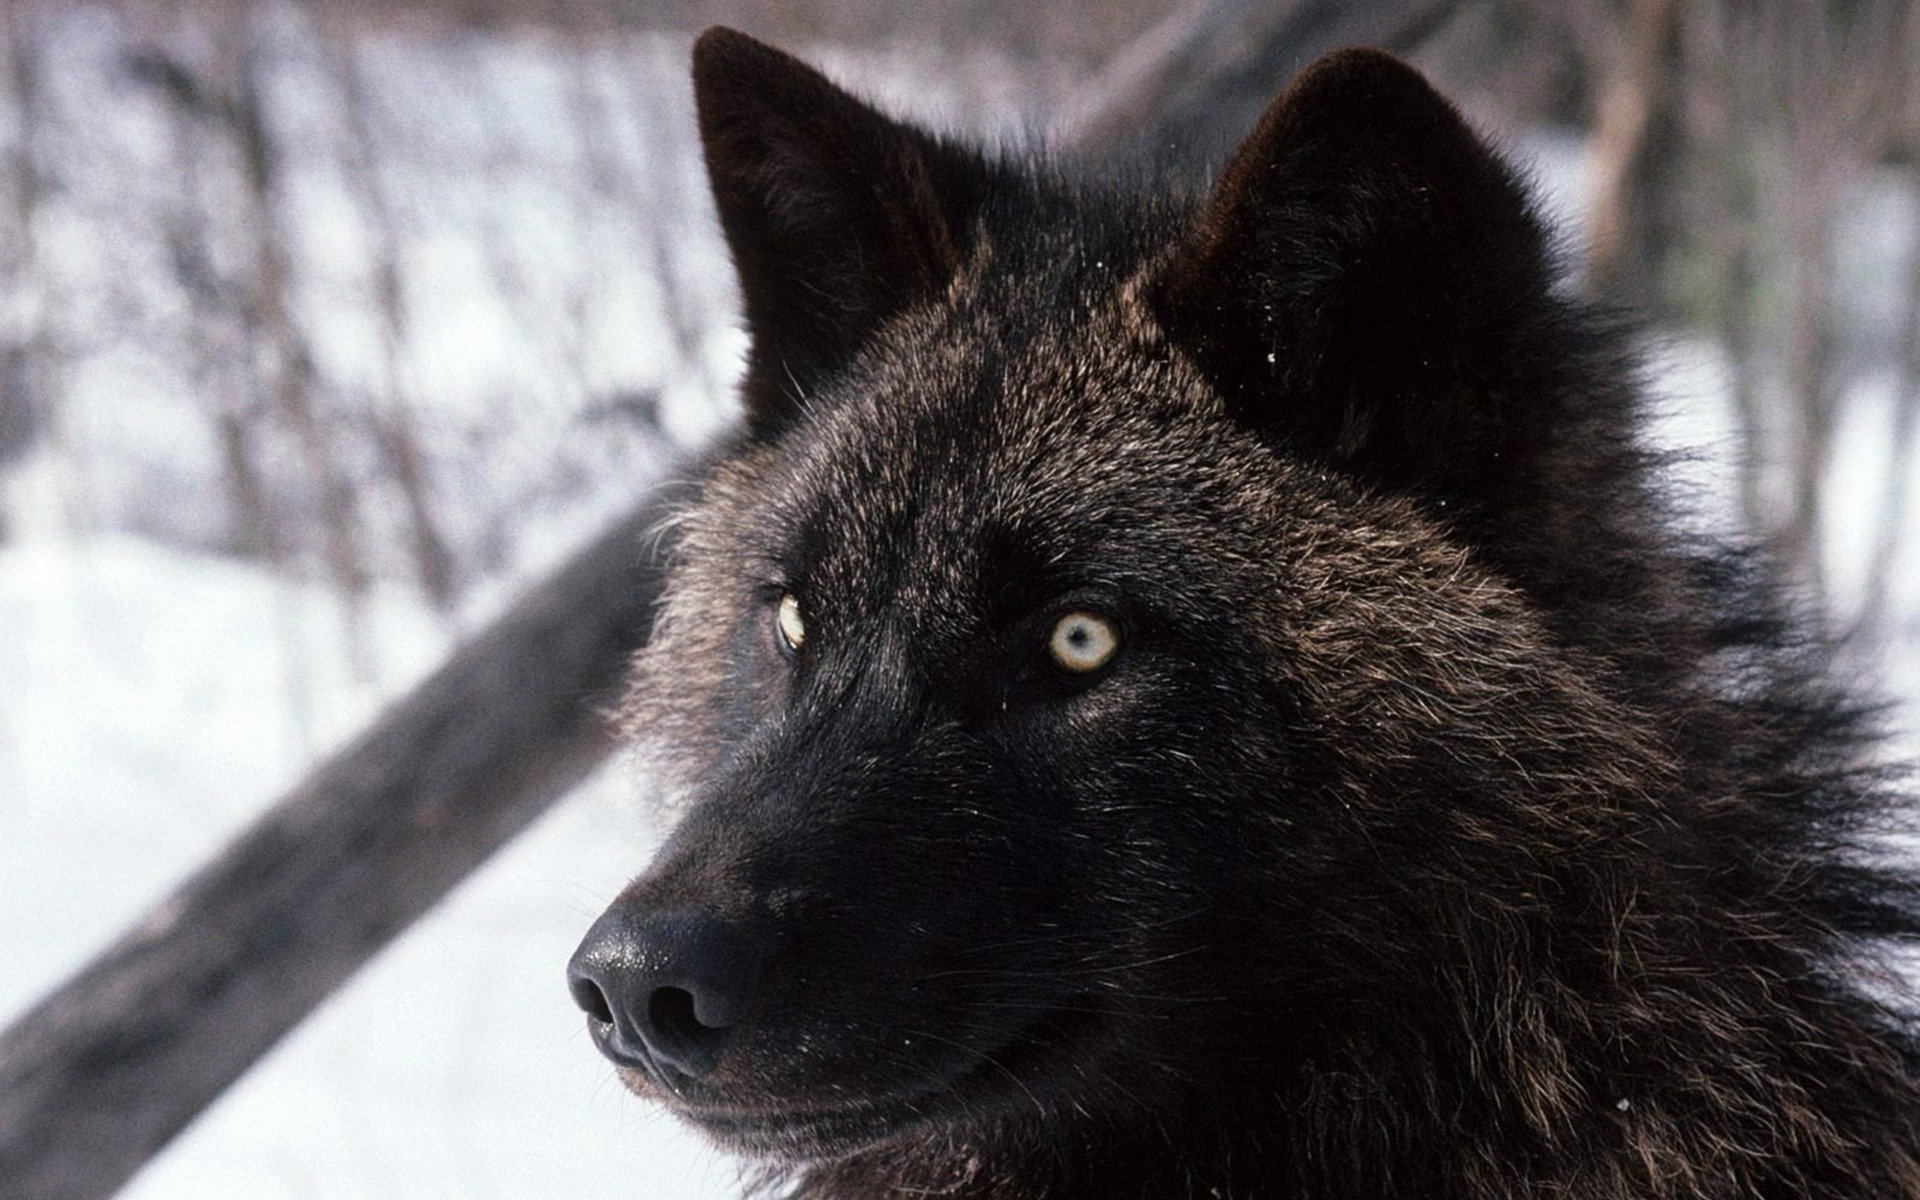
1202 695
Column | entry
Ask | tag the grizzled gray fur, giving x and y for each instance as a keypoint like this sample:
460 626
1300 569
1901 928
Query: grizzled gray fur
1197 692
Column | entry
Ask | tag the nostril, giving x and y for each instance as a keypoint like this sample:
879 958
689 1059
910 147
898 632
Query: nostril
592 1001
671 1011
676 1033
669 991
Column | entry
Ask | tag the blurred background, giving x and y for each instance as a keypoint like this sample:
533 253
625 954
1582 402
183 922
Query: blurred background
327 327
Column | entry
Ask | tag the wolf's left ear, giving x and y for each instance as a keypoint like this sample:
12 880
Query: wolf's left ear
837 216
1363 276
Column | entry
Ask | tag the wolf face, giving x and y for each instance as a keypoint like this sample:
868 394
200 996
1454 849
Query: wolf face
1176 679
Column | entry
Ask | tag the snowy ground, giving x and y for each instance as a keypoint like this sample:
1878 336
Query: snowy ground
152 699
145 717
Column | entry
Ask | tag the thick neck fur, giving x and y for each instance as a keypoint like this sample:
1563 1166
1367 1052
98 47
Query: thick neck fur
1662 999
1578 839
1659 1009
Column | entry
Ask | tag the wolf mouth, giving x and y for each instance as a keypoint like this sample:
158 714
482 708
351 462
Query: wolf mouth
807 1134
994 1076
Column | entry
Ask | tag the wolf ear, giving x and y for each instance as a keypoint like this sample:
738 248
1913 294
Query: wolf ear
1360 280
837 217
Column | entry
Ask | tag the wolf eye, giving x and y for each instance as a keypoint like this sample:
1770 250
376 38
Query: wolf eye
1083 642
793 630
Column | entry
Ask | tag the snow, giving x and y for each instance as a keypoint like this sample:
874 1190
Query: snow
148 713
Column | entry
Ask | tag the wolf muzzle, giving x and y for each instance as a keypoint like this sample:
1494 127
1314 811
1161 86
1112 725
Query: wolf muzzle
665 991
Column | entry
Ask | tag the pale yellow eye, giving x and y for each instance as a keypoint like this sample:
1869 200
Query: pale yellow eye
1083 641
793 630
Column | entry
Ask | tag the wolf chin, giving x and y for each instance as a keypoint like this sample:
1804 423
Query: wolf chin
1200 693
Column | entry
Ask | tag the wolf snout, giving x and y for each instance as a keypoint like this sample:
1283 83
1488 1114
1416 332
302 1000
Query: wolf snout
666 991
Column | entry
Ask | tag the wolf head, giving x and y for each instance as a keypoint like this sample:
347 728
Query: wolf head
1143 645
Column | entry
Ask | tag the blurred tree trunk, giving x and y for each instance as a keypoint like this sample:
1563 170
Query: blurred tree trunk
1808 369
1635 151
1831 66
1873 625
1193 85
1728 138
29 343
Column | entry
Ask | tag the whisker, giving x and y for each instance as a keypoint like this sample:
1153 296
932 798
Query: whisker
989 1060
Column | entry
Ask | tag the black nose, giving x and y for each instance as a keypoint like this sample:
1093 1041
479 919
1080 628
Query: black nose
666 989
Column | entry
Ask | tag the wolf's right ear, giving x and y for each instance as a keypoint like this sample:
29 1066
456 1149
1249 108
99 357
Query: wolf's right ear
1366 282
837 216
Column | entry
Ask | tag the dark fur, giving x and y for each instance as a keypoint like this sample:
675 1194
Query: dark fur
1449 825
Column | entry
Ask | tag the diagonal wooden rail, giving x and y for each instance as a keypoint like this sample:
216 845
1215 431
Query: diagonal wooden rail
103 1072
